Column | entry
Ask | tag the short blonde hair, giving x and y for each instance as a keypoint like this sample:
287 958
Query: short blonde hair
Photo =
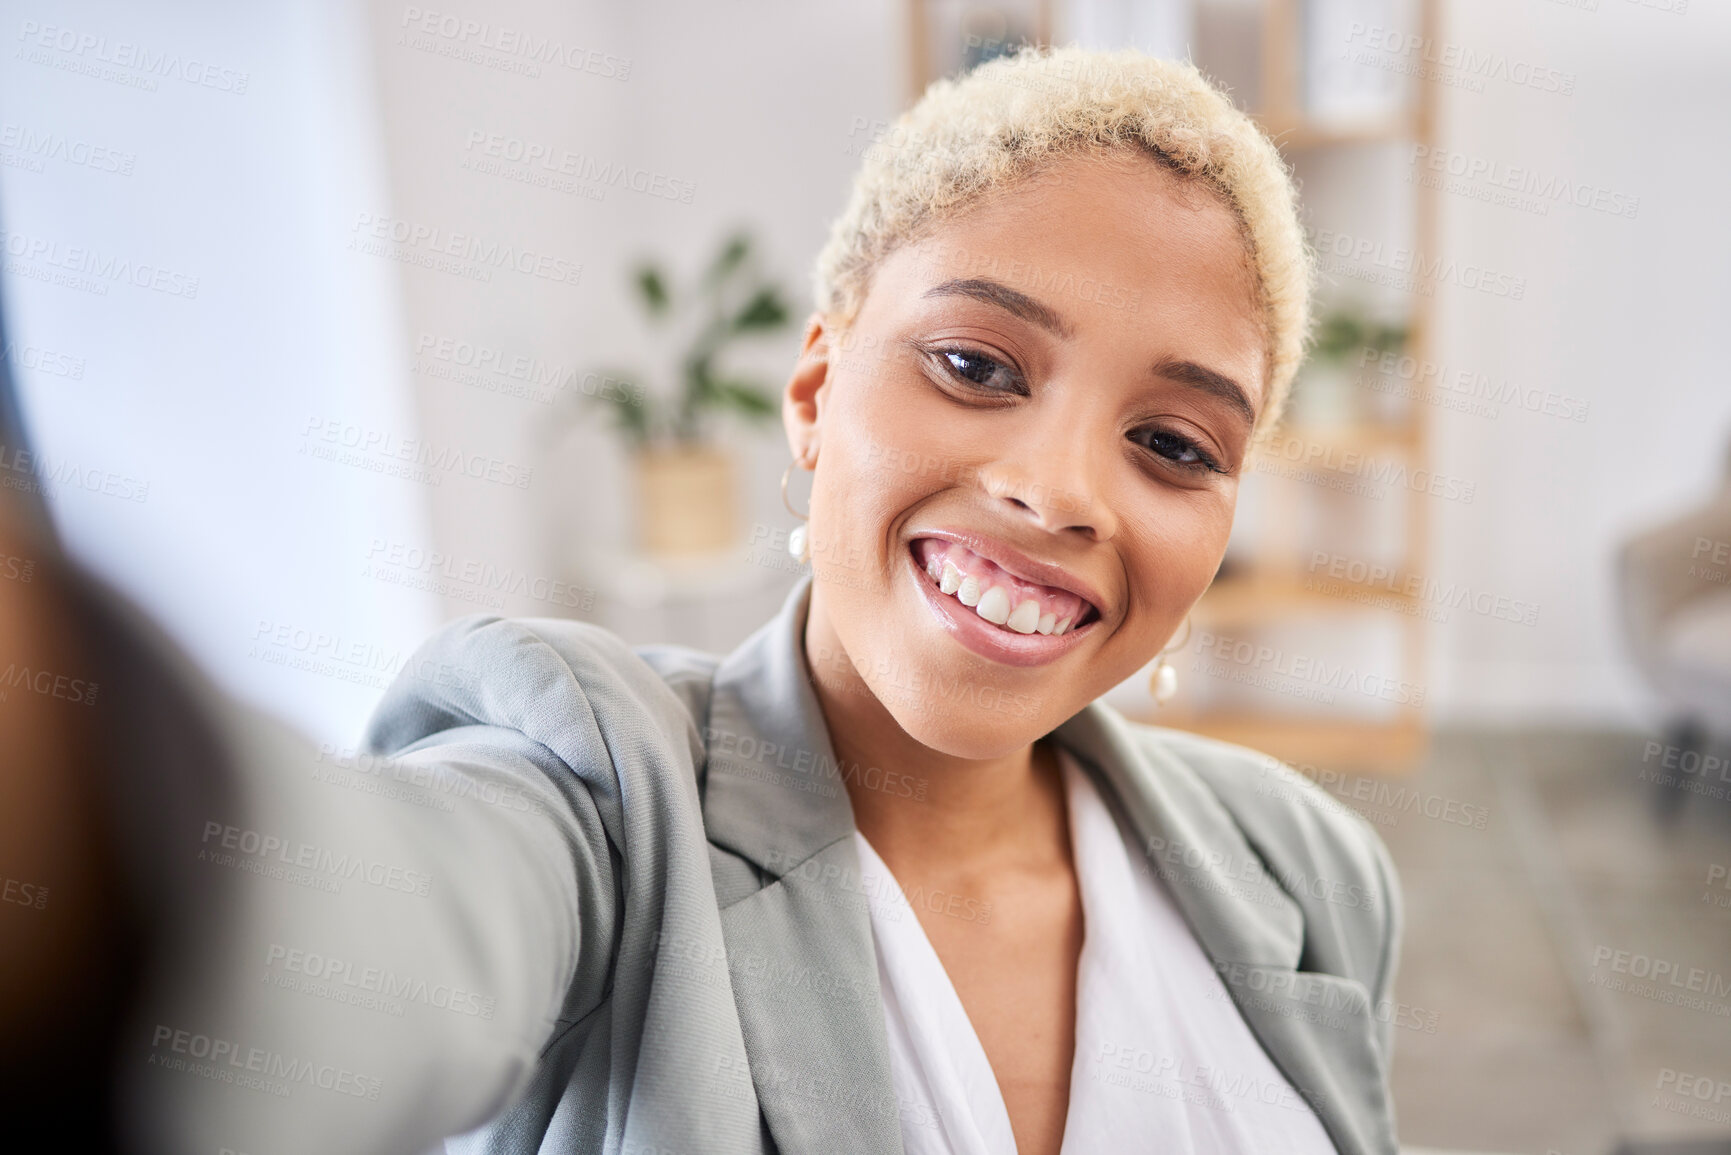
970 136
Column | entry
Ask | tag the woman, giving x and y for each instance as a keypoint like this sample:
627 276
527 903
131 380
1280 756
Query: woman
889 877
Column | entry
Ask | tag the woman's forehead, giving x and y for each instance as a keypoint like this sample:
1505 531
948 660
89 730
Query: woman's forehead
1095 249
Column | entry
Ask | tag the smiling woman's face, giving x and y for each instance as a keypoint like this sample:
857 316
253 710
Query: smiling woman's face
1041 411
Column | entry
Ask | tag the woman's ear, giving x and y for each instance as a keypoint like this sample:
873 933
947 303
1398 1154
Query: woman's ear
802 400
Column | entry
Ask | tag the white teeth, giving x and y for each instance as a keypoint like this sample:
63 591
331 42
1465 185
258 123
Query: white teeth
994 606
993 602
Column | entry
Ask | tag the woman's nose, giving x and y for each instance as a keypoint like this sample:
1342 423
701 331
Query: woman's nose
1056 482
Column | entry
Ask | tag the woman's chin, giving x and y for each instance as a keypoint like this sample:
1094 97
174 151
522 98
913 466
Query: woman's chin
967 730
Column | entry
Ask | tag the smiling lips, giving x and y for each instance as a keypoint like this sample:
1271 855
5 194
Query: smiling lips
996 595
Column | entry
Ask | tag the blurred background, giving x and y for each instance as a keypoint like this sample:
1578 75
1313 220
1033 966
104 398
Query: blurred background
329 321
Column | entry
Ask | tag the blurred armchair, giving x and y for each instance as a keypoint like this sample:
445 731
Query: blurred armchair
1674 585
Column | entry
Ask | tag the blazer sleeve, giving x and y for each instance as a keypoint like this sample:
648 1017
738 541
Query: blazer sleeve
1394 931
393 932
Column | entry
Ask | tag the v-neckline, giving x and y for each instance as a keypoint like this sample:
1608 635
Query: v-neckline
944 1014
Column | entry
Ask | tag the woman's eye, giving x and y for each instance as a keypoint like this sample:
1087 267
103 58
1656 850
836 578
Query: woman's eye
1178 449
984 372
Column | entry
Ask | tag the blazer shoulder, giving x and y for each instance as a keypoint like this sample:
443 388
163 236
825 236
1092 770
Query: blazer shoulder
539 676
1323 853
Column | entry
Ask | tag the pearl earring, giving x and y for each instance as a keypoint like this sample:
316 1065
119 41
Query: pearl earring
798 541
1163 683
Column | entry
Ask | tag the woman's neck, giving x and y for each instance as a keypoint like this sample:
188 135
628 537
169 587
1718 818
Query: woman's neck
929 809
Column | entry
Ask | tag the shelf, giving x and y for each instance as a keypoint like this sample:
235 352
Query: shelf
1361 438
1308 463
1269 597
1381 748
1298 134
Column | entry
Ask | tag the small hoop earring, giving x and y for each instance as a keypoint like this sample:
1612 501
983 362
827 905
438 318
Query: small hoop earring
1163 682
798 541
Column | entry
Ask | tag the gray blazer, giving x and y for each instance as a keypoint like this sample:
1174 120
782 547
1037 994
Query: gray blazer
717 988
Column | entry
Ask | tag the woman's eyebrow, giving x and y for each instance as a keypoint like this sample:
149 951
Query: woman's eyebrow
1173 369
1214 383
1012 300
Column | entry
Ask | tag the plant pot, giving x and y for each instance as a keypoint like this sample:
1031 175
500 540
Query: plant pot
686 501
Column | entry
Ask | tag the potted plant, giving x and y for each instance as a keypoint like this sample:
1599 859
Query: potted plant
1325 396
686 489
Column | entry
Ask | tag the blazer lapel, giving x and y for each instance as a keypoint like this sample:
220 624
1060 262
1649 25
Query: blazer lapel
1319 1029
800 952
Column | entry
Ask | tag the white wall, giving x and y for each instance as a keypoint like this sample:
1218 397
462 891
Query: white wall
1627 314
759 109
194 405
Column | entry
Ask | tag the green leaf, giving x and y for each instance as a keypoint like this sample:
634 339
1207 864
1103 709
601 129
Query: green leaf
1338 335
746 398
732 255
765 310
1388 338
629 406
653 289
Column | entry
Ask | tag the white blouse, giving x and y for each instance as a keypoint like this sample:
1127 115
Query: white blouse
1164 1062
